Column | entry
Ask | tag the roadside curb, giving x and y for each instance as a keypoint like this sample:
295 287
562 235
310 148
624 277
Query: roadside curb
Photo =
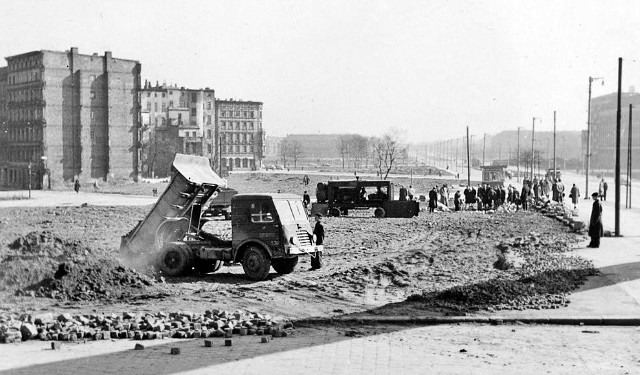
494 320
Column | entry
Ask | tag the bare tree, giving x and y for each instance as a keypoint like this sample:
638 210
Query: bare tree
295 151
387 150
344 147
285 150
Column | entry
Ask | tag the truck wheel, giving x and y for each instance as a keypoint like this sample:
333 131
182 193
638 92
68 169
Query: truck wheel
175 260
256 263
227 215
208 267
379 212
284 266
334 212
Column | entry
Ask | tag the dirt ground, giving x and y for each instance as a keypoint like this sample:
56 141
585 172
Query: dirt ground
437 264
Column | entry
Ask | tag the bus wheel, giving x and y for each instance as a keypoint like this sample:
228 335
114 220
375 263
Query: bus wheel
379 212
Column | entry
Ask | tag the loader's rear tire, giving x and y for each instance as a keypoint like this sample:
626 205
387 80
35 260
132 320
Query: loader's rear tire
175 260
284 266
256 263
208 267
334 212
379 212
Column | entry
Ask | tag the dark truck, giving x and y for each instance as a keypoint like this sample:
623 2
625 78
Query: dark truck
337 197
220 203
268 230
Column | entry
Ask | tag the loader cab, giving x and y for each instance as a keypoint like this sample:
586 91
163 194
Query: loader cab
276 222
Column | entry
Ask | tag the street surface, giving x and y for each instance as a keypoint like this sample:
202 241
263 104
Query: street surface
444 349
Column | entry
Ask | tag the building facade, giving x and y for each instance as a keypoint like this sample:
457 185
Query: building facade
68 116
176 120
240 135
603 130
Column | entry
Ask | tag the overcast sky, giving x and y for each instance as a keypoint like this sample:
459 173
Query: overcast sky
429 67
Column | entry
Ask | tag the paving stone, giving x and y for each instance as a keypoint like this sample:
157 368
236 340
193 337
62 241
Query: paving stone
228 342
208 343
175 351
56 345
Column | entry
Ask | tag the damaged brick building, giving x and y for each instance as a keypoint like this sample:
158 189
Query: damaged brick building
65 115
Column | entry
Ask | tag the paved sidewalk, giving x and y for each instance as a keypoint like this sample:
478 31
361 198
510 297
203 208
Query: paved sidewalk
442 349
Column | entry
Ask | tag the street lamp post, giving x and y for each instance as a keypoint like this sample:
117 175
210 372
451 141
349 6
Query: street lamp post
533 135
588 156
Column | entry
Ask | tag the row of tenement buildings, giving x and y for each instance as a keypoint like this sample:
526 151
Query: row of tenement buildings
66 116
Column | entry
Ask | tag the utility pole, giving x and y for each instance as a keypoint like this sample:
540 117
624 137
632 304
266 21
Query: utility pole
588 156
554 144
468 160
518 154
628 205
29 180
484 148
533 136
618 114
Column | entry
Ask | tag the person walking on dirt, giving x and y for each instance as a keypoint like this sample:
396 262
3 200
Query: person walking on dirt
574 195
595 223
318 231
412 192
76 185
433 199
306 199
305 180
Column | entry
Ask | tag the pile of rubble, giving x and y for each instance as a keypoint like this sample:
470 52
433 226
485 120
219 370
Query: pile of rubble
561 213
140 326
538 274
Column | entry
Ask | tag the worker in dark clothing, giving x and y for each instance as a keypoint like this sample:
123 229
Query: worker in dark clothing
403 193
456 200
318 231
306 199
595 223
433 199
76 185
524 197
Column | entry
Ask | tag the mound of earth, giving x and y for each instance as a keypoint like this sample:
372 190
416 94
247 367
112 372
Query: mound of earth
86 281
30 258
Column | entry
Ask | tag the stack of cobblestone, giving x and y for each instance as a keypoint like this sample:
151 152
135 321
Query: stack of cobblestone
564 215
140 326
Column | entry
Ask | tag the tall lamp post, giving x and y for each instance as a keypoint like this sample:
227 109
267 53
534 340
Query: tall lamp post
533 136
588 156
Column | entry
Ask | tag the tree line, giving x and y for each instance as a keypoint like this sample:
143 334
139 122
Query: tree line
357 151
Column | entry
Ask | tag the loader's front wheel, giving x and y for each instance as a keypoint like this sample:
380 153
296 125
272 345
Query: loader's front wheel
175 260
256 263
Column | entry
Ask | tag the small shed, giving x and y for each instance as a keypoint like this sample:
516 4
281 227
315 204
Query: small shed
493 175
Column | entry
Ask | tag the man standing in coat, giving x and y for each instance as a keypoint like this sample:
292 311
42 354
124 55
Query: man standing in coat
318 230
595 223
433 199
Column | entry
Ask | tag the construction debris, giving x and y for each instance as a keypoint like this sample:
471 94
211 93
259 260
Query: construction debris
139 326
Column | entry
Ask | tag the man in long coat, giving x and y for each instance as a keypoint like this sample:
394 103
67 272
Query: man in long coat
595 223
433 199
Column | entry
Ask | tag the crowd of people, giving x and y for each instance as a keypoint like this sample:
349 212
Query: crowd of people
488 197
